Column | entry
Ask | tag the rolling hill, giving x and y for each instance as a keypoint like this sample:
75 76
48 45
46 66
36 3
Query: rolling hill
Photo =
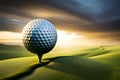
90 63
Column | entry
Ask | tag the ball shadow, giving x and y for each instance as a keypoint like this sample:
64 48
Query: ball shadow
30 69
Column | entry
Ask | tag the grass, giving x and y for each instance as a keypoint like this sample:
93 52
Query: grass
11 67
13 51
16 51
82 63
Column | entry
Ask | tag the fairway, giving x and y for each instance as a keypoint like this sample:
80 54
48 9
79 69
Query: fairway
90 63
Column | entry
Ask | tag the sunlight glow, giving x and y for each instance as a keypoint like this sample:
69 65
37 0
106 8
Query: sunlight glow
9 35
65 39
10 38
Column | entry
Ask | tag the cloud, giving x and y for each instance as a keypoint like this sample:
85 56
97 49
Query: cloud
94 19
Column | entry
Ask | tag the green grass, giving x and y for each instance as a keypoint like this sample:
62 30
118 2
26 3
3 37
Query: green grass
13 51
82 63
80 67
13 66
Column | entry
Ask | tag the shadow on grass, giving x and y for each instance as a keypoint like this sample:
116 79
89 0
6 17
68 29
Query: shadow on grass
84 68
30 69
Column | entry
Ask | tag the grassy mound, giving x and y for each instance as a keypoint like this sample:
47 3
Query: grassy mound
96 63
72 68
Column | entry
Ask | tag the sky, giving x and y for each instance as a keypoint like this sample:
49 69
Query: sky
83 22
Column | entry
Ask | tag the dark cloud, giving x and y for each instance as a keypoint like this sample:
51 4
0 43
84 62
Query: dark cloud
96 10
81 16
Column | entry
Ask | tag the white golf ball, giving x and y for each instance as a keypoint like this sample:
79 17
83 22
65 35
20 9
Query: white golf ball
39 36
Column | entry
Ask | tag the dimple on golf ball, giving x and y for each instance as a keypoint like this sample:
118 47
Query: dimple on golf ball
39 36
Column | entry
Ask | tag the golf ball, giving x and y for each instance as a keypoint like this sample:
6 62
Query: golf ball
39 36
